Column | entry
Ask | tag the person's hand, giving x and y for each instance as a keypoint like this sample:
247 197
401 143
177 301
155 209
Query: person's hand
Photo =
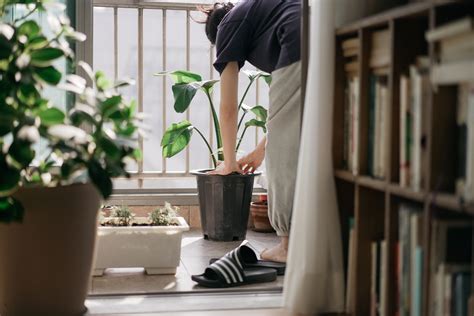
224 169
252 161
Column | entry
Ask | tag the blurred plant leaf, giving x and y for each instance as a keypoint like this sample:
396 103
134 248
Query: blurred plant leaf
51 116
256 123
49 75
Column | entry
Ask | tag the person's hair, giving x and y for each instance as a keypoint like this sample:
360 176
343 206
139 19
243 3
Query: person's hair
214 15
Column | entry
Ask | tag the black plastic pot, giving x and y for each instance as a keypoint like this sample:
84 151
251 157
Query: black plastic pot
225 204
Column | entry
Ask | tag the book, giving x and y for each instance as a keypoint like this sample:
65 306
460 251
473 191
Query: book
404 258
371 129
469 187
461 139
457 48
404 131
451 29
383 278
351 43
460 293
351 67
355 125
351 273
351 52
453 73
415 258
374 278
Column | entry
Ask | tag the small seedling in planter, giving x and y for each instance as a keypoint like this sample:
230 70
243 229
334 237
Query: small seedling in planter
123 216
164 216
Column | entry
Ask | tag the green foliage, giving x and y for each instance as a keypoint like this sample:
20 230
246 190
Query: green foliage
163 216
185 86
28 56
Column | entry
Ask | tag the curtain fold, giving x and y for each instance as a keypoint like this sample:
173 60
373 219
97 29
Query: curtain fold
314 281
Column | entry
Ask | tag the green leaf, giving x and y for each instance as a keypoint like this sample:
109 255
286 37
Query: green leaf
183 95
110 105
29 28
255 74
78 117
176 138
49 75
11 210
100 178
7 119
101 81
181 76
45 56
21 152
5 47
10 178
260 112
38 42
256 123
28 94
208 85
52 116
110 148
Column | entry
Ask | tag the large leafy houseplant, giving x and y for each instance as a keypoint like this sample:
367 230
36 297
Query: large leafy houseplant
185 86
91 141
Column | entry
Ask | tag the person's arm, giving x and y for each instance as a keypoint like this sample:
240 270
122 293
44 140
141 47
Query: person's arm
253 160
228 118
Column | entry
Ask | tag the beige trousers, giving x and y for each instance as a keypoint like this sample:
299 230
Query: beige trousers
283 142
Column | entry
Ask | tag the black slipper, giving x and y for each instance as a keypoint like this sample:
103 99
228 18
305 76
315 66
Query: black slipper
230 271
250 261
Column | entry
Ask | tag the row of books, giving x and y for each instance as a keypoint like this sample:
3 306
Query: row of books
414 96
350 48
450 267
409 260
378 121
455 66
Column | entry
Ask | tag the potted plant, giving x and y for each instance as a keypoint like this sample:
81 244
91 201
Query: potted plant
49 200
259 212
224 200
152 242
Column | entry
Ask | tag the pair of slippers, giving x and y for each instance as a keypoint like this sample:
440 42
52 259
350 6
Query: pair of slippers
239 267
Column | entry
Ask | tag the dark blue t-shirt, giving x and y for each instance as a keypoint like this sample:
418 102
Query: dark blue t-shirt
265 33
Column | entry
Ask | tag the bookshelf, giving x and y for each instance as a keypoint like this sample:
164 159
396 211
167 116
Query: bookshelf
374 199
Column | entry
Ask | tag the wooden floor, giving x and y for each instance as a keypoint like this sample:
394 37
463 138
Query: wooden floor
246 312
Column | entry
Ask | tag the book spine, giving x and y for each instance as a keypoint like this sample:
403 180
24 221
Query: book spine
373 279
403 127
383 277
377 130
469 189
383 131
418 280
370 154
416 128
404 236
346 132
356 125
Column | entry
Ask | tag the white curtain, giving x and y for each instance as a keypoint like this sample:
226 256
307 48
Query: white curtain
314 281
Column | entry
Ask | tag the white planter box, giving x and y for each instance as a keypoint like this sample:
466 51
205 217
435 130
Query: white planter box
155 248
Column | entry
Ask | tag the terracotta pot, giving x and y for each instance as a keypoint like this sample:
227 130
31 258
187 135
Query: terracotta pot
46 260
259 212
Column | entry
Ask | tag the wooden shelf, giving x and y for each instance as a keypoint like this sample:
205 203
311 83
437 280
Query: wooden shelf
451 202
407 193
372 183
344 175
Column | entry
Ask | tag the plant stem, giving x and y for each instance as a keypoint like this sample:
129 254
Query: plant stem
26 15
241 137
241 120
217 127
245 93
208 146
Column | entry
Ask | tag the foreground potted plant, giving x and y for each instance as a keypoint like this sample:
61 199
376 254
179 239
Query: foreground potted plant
152 242
224 200
49 201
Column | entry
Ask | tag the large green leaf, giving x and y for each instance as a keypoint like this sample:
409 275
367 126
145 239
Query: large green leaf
256 123
7 119
5 47
51 116
176 138
28 94
45 56
183 95
110 105
100 178
181 76
29 28
49 75
260 112
11 210
21 152
208 85
9 178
